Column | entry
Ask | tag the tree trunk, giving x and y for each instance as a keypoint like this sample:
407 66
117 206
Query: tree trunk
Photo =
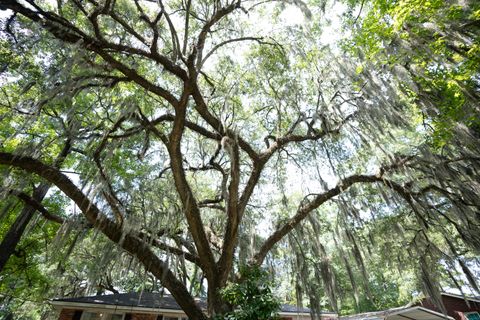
216 305
14 234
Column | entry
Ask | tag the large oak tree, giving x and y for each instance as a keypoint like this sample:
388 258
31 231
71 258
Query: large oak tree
196 136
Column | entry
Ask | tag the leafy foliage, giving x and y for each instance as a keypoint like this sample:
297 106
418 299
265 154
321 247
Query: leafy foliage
252 297
432 47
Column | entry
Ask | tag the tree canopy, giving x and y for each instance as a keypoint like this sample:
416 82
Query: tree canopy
161 145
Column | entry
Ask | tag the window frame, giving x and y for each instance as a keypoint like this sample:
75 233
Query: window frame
119 314
84 314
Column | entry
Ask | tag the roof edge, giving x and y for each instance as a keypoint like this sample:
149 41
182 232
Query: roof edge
459 296
112 307
384 314
439 314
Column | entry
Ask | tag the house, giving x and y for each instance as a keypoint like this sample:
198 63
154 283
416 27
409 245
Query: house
147 306
457 306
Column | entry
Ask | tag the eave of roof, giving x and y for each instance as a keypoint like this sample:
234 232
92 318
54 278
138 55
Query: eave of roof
115 308
459 296
151 302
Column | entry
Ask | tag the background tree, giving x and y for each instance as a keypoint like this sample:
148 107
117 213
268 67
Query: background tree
432 50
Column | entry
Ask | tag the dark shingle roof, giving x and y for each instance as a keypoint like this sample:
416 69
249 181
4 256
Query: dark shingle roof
293 309
367 315
153 300
133 299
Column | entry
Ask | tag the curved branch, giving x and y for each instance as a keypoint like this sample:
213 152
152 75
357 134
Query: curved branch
308 207
221 44
206 28
320 199
291 137
128 241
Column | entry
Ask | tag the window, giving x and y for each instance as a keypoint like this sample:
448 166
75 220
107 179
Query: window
77 315
472 315
91 316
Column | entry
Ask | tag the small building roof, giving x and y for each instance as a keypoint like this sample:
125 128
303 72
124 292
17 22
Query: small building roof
150 300
402 313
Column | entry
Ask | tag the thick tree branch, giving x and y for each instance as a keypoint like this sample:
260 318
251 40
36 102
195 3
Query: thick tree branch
230 237
190 205
251 184
308 207
191 125
127 241
15 232
137 78
149 124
